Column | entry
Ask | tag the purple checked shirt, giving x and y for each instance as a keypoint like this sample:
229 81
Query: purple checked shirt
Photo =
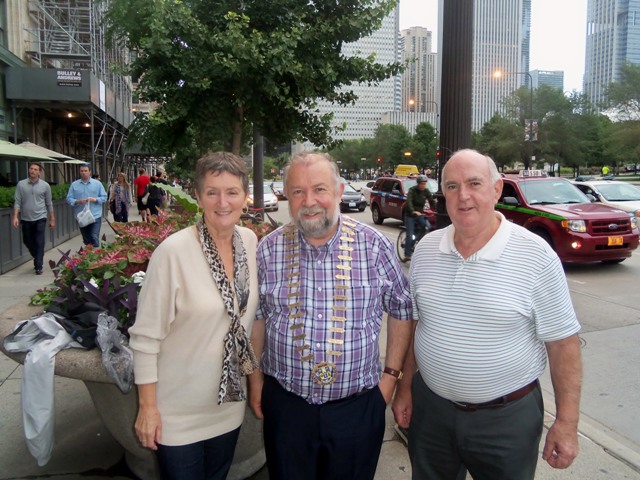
378 284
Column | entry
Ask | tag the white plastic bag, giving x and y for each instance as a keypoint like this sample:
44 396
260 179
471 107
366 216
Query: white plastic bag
85 217
117 357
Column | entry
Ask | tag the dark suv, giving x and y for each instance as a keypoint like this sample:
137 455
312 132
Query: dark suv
389 194
578 230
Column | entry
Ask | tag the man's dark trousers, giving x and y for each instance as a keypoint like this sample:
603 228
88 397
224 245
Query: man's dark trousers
33 238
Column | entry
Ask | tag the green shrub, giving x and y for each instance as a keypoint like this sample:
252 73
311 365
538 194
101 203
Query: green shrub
58 192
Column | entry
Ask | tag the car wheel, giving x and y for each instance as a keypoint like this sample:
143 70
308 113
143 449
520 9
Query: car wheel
545 236
376 214
613 262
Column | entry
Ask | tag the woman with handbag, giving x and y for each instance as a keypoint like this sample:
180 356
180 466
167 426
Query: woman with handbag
120 198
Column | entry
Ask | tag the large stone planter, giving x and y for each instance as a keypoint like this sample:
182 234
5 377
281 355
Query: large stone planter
118 411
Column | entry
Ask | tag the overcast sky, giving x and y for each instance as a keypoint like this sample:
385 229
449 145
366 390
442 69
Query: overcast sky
558 33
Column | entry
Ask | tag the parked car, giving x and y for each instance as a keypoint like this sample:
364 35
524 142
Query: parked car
366 191
278 189
270 199
389 194
622 195
352 199
556 210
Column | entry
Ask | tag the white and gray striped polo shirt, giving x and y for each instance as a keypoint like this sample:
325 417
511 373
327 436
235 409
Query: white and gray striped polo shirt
483 321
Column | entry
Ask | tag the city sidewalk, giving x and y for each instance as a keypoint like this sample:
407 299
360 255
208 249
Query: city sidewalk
84 450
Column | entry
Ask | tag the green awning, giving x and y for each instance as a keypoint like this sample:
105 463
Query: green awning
44 151
16 152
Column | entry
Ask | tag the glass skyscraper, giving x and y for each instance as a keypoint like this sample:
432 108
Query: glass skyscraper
613 38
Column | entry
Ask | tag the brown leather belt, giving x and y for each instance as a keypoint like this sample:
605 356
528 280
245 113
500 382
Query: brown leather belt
498 402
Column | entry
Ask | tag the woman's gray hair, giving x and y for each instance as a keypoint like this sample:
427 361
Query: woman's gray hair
217 163
307 158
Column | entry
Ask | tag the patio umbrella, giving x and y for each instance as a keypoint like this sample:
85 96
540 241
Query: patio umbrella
44 151
16 152
76 161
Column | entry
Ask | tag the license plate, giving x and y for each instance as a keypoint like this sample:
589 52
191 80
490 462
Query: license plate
352 204
614 241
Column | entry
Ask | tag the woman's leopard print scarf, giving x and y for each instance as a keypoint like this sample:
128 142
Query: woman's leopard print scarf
239 358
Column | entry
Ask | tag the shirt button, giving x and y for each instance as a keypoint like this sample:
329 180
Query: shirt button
320 316
318 344
319 289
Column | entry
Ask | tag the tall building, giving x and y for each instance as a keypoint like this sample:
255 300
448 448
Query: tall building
419 80
59 88
613 38
502 32
363 118
553 78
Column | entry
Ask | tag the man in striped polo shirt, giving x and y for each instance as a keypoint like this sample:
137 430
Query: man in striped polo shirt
502 309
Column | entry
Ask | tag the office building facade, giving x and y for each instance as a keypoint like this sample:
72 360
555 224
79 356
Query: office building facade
553 78
502 33
613 38
363 118
419 80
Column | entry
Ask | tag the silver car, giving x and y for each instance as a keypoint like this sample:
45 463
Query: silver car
270 199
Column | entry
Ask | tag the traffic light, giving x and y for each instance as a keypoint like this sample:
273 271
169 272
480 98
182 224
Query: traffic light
379 160
438 153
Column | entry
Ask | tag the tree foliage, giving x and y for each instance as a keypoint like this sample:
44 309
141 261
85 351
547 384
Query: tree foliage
217 68
624 95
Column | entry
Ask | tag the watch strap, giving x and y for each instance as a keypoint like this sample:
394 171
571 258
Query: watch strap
393 372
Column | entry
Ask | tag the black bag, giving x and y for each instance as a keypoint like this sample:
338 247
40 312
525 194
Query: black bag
80 322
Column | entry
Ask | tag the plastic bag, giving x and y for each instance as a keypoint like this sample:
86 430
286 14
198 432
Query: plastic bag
85 217
117 357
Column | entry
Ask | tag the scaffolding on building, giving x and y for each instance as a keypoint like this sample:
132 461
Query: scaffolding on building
70 35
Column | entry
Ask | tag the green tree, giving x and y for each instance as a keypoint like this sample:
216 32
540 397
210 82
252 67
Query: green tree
424 144
624 95
217 68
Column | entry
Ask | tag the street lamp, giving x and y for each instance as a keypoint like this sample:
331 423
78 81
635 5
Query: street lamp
499 74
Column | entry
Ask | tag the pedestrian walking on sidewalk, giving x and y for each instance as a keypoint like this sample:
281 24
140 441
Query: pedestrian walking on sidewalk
32 204
88 191
325 283
492 305
140 184
120 198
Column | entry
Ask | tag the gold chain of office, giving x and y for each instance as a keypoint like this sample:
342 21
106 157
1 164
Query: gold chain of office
324 372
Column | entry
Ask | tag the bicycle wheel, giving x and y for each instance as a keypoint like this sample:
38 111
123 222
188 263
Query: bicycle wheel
402 237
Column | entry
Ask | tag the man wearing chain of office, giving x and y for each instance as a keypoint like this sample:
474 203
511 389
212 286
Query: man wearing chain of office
325 282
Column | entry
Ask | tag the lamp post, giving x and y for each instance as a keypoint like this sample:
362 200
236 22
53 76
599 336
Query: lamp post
499 74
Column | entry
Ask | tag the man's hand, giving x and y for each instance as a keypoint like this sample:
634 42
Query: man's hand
52 223
561 445
402 407
16 222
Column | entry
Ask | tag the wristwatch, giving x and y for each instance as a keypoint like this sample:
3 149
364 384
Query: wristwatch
393 372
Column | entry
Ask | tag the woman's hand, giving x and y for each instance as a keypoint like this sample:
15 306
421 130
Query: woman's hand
148 424
148 427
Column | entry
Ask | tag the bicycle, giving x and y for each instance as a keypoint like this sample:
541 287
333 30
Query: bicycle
421 231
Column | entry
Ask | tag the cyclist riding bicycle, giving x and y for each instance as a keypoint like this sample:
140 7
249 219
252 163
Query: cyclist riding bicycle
414 213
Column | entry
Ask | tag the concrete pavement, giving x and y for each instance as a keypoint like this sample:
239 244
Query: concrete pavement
85 450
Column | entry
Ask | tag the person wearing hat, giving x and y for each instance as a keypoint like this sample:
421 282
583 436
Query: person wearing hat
32 201
414 213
